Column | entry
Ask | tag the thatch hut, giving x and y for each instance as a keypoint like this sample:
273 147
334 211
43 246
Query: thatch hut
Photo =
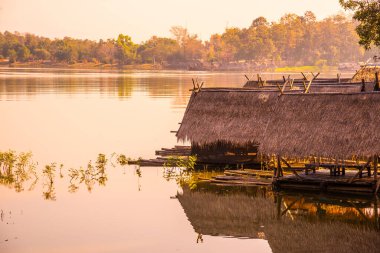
334 125
325 124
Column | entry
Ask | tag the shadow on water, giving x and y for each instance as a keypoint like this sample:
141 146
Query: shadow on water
290 221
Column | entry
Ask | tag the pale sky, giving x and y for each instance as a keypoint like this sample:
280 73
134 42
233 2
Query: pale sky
141 19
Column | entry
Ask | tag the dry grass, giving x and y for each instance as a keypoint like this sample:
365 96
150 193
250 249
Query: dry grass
367 73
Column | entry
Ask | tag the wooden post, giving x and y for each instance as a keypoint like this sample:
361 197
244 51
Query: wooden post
377 84
375 162
363 86
279 200
279 169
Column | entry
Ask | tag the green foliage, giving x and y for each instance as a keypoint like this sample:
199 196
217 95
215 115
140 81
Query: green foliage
180 162
123 160
90 175
126 50
367 12
16 169
293 40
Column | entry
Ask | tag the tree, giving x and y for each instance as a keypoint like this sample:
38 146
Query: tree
191 47
158 50
126 51
367 12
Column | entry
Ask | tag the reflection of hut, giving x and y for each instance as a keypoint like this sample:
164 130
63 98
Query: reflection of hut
241 215
334 125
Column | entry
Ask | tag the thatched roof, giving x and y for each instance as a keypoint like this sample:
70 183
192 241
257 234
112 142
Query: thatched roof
326 124
342 88
316 86
367 73
324 81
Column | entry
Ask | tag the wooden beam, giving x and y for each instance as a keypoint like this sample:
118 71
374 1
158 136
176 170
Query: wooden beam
284 86
360 171
377 186
290 167
289 206
308 86
291 83
279 88
304 77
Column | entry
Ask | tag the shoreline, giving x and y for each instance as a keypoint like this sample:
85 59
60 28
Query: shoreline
159 67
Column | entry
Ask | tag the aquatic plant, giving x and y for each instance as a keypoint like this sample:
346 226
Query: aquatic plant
180 162
123 160
49 175
90 175
16 169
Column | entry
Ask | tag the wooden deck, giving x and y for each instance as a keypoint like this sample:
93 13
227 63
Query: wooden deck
326 181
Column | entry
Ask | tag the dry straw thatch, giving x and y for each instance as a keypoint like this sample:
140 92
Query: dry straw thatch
315 87
325 124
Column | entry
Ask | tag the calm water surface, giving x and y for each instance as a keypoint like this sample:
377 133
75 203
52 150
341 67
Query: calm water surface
69 117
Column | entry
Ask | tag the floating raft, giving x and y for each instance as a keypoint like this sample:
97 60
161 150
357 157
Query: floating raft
176 151
245 177
163 156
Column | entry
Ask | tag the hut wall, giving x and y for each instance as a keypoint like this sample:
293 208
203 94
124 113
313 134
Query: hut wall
225 153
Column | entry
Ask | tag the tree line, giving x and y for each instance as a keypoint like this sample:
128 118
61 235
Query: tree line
292 40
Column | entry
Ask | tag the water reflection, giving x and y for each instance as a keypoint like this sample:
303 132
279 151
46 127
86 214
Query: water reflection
19 84
291 222
18 170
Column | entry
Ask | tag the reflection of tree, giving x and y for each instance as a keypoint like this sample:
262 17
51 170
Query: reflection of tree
125 86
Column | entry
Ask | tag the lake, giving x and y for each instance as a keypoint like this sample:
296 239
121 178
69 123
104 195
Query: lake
74 199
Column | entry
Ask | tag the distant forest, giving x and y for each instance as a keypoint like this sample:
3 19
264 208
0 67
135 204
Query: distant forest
292 40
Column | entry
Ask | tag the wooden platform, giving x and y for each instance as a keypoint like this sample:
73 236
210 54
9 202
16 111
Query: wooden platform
324 181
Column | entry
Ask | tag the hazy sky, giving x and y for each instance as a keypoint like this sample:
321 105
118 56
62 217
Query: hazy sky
96 19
